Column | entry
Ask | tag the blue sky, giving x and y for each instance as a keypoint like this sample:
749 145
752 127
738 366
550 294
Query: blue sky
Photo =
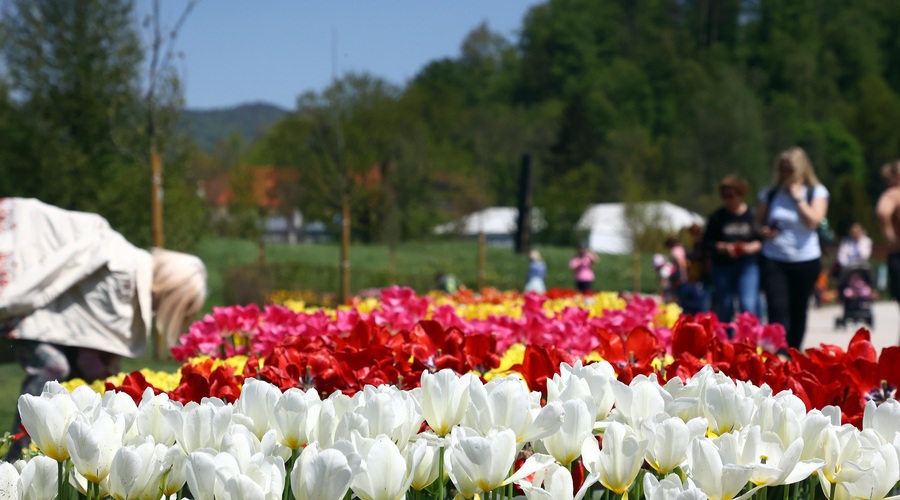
238 51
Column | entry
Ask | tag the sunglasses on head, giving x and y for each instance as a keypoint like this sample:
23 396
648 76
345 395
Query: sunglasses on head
729 195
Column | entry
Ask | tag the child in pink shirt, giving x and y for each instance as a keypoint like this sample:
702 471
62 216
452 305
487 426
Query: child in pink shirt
582 266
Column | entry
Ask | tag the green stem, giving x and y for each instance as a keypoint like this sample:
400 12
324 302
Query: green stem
68 469
763 493
833 488
162 483
509 487
60 485
441 473
287 494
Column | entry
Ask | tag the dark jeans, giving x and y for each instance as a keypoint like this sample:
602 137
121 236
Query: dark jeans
736 279
788 286
584 286
692 297
893 263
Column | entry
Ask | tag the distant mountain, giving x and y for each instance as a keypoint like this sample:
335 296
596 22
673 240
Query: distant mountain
210 125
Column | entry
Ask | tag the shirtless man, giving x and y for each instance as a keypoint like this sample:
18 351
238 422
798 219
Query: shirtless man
888 213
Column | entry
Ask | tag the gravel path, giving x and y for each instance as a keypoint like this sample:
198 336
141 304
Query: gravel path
821 330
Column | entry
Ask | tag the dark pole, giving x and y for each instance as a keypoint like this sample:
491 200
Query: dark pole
523 224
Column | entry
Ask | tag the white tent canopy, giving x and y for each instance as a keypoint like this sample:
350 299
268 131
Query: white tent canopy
608 230
492 221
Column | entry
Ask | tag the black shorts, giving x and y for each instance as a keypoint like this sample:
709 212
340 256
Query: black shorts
584 286
893 263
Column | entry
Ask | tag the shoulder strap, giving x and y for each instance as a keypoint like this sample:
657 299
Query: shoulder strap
809 193
770 195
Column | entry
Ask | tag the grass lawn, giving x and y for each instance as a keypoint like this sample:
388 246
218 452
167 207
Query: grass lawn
416 264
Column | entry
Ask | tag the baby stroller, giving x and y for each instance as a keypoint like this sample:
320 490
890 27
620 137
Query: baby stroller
855 293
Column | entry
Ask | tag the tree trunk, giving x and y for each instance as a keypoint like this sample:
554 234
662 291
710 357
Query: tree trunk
345 251
482 258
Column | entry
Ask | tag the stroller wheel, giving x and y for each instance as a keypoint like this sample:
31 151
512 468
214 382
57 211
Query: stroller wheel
838 323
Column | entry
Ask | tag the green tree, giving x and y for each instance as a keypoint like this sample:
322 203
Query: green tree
73 64
75 68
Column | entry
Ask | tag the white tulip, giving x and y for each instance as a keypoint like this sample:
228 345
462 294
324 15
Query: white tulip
135 471
506 402
150 420
94 444
255 403
718 479
882 471
243 487
582 381
725 408
782 414
668 439
201 470
772 463
321 474
444 397
671 488
384 473
618 462
39 479
577 425
200 425
429 468
293 415
261 478
393 413
554 483
47 418
119 403
478 463
9 480
86 399
840 448
883 419
812 426
269 445
241 443
683 400
324 428
641 400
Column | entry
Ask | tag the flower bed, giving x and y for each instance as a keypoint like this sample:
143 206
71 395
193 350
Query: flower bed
568 321
456 436
556 396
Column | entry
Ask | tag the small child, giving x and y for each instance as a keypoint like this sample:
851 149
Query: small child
665 270
857 288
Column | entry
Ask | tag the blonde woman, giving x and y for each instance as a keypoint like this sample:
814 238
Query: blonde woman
789 215
75 296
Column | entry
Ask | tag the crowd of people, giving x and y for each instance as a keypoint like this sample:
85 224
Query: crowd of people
766 257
